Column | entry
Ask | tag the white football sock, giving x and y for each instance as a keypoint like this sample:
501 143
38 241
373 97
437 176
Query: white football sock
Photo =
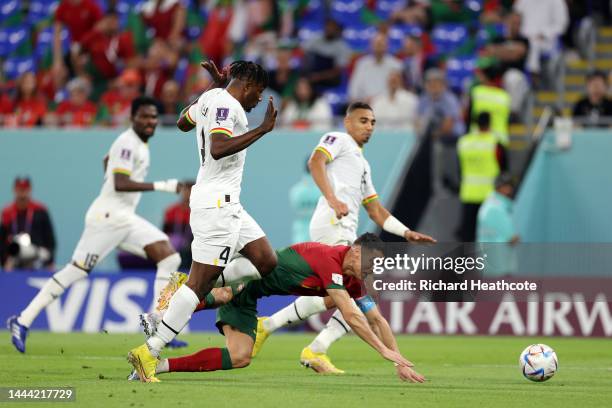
336 328
165 268
179 312
301 309
163 366
52 289
238 270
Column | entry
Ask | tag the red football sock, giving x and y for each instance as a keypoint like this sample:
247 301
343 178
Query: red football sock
206 303
210 359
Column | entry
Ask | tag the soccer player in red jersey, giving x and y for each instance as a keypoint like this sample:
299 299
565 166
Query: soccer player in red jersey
307 269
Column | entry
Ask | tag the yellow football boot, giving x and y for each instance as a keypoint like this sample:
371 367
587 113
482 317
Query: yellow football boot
319 362
176 280
262 335
144 363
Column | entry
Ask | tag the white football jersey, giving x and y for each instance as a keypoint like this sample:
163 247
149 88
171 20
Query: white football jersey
350 177
217 112
128 155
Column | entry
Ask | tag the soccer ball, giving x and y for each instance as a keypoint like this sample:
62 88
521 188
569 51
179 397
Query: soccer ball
538 362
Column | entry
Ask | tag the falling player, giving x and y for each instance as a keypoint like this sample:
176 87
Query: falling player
220 225
343 175
111 219
310 269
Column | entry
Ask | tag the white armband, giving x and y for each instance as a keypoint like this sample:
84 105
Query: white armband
168 186
393 226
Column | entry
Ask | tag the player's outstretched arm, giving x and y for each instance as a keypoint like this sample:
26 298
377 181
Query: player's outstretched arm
123 183
222 146
376 319
360 326
185 122
383 218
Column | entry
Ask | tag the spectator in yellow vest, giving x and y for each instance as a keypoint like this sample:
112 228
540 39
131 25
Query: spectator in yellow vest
480 160
489 97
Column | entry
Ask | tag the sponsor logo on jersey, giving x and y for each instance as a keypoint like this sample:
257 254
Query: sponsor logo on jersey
337 278
222 114
126 154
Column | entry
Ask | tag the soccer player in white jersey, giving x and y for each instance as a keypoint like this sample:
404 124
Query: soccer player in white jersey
343 175
111 219
221 227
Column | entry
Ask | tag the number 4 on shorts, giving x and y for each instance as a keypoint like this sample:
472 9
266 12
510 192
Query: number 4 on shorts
224 256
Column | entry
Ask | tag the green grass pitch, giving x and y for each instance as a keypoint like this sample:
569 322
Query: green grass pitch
461 372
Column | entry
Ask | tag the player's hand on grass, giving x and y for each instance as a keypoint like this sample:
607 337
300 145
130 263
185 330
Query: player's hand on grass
220 78
339 207
269 119
409 375
396 357
413 236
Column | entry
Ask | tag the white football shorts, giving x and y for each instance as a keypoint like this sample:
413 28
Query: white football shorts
105 231
219 233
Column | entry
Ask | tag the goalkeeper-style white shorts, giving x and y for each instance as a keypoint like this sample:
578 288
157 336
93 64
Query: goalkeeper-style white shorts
104 231
220 232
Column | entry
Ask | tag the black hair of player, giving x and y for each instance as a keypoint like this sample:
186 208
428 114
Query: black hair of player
370 241
249 71
358 105
142 101
483 120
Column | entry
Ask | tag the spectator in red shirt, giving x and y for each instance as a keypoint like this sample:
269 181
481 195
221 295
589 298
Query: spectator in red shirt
6 107
29 107
109 49
159 67
176 225
167 19
214 39
115 103
78 16
77 110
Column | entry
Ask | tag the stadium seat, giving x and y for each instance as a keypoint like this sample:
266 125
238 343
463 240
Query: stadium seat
397 33
337 98
8 9
103 4
358 37
474 5
487 32
180 73
460 72
310 30
41 10
347 12
12 38
384 8
448 37
313 13
44 42
16 66
410 29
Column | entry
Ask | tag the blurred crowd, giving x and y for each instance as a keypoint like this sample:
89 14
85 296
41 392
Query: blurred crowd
79 63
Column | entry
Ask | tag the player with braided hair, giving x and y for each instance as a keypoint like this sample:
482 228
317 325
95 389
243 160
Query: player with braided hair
222 229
